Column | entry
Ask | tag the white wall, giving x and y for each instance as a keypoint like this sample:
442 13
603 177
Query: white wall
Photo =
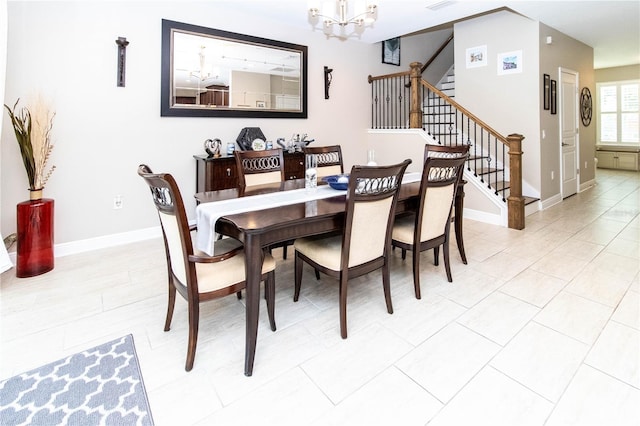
5 263
67 51
513 103
508 103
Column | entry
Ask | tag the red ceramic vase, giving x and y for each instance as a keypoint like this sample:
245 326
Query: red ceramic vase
35 237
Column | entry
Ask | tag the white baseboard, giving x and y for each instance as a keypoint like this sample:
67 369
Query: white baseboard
480 216
587 185
81 246
552 201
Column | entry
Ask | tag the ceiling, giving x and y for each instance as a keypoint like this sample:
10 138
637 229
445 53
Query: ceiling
612 28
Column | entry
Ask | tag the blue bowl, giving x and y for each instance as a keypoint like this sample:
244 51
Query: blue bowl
335 184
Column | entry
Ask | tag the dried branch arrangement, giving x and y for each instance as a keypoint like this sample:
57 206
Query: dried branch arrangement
32 126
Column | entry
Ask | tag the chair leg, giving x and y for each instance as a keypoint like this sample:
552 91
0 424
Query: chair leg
387 287
404 254
194 315
436 255
298 277
171 303
457 222
416 272
284 251
343 305
445 254
270 294
317 274
239 294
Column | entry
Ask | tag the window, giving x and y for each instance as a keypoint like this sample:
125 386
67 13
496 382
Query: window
619 112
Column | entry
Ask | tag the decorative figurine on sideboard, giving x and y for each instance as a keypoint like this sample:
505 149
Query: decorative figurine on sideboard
296 143
212 147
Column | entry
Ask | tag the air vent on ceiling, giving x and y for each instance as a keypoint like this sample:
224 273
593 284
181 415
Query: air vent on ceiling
439 4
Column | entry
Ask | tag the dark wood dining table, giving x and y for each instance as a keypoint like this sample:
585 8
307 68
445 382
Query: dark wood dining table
262 228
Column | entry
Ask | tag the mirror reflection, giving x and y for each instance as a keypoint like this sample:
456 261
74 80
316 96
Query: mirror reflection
216 73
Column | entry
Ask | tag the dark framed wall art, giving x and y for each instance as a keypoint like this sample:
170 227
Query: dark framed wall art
546 90
554 97
391 51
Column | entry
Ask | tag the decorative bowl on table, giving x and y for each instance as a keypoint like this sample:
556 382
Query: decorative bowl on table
337 181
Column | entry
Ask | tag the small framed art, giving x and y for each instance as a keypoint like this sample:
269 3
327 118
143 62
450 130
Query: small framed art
546 90
476 56
510 62
554 97
391 51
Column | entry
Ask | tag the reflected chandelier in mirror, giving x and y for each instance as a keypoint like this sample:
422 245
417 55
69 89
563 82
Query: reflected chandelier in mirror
213 73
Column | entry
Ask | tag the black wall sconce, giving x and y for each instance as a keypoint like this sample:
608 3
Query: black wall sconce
122 59
327 80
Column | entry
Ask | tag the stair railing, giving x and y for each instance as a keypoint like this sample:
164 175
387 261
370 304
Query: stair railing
436 53
494 159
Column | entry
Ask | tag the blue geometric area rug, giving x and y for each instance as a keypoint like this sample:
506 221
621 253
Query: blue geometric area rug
99 386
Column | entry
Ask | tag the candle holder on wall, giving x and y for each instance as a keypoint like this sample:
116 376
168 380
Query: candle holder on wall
327 80
122 58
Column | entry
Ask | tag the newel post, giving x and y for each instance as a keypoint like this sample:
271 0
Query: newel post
415 113
515 201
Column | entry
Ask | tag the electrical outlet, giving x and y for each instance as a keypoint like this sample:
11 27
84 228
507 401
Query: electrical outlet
117 202
585 164
552 175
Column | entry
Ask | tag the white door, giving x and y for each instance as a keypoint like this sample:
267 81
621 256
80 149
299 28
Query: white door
568 107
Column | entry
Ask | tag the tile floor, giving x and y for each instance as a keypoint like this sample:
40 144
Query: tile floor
542 327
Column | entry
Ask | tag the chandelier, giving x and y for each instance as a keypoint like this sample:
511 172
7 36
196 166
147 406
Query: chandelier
364 12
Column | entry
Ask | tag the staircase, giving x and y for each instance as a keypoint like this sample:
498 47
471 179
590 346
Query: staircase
495 163
442 123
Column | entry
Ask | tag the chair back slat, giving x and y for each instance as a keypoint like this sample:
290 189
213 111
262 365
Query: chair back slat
445 151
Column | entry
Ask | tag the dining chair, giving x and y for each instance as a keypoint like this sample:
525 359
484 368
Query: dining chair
365 242
260 168
454 151
428 228
329 159
197 276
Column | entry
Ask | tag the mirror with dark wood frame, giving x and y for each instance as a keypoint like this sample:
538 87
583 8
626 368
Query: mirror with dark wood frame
213 73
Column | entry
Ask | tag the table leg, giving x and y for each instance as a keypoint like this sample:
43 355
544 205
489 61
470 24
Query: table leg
253 268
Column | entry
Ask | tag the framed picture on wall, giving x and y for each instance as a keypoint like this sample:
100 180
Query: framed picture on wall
554 97
476 56
391 51
510 62
546 90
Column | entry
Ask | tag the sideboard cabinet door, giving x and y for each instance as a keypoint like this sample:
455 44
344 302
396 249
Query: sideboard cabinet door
213 174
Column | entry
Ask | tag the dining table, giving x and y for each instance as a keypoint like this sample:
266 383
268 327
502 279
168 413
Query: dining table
259 228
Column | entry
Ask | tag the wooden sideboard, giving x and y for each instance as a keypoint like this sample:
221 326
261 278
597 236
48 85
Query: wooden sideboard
213 174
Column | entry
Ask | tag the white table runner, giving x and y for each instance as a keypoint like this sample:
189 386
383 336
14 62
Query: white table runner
207 214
